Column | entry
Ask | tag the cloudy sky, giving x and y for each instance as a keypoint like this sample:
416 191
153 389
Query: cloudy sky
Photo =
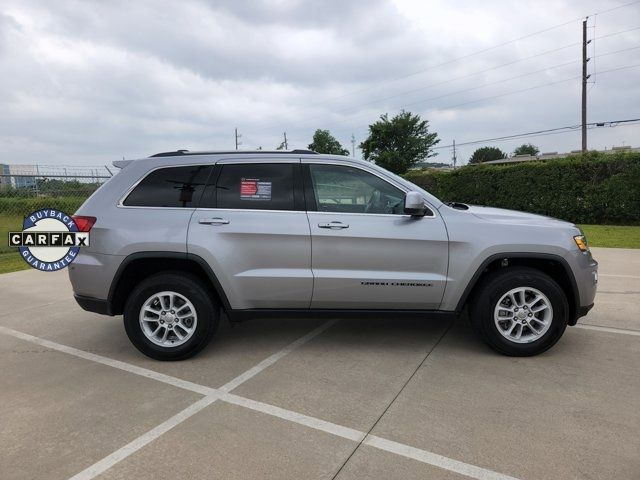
89 82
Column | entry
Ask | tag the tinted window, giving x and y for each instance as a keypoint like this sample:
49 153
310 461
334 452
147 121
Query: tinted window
256 186
347 189
170 187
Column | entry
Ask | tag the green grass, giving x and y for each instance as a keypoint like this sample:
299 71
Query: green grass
612 236
8 223
11 262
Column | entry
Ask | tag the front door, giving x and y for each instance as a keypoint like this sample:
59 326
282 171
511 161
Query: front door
252 230
366 253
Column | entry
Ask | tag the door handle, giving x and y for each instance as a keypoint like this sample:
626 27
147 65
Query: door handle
334 225
213 221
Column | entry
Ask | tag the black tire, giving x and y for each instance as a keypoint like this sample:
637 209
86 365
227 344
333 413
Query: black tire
190 287
498 283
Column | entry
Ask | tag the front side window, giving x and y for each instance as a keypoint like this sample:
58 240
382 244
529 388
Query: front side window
170 187
351 190
256 186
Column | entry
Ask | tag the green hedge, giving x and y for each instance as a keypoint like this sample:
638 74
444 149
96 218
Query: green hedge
594 188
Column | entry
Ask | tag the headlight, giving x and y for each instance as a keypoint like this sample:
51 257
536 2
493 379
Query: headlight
581 242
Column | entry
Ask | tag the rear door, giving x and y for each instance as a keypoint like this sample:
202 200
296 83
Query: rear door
367 254
252 230
160 207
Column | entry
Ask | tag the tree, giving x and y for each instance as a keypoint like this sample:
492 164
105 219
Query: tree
324 142
399 143
485 154
527 149
281 146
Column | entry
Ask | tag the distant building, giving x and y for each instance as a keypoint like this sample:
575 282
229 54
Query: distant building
12 175
434 165
554 155
4 181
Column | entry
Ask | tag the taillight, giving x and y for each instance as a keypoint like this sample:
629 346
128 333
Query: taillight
84 223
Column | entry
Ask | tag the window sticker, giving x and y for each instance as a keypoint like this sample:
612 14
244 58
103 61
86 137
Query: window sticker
254 189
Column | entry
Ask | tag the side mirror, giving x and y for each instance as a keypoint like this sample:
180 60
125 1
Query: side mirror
414 205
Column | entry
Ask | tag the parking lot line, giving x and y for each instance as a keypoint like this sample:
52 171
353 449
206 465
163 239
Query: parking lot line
622 331
110 460
423 456
275 357
213 395
617 276
431 458
295 417
127 367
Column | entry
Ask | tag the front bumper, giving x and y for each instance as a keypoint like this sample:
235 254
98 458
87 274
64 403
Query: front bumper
585 272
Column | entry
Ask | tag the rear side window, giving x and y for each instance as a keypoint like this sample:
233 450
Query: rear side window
170 187
256 186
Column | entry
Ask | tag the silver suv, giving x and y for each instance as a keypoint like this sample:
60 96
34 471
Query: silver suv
181 238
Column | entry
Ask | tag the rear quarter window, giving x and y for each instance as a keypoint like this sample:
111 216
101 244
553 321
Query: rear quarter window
179 187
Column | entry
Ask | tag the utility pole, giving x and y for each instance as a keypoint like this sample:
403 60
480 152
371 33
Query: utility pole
238 137
454 155
286 145
353 146
585 77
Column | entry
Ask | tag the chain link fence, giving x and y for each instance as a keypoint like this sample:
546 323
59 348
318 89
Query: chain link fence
26 188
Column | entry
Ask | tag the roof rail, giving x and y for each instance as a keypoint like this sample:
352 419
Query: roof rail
178 153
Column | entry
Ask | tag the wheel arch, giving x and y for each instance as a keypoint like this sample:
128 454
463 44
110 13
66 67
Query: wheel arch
553 265
140 265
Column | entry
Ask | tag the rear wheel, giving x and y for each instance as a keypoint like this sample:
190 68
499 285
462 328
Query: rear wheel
519 311
170 316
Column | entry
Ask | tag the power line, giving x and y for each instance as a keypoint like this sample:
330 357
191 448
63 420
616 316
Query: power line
613 8
490 83
477 52
459 104
425 100
444 82
549 131
535 87
617 51
493 47
354 107
499 66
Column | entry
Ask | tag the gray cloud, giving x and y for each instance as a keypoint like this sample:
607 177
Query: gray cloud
88 82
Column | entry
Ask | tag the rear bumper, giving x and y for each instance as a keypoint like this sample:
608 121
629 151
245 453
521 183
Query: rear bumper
96 305
91 273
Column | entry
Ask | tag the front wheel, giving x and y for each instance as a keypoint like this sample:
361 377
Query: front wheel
519 311
170 316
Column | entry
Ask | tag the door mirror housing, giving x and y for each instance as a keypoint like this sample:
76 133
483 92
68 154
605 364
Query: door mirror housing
414 205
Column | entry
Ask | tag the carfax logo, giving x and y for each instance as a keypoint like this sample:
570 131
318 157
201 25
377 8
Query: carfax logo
50 239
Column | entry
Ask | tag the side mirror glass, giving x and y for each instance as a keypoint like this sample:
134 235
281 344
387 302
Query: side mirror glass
414 205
